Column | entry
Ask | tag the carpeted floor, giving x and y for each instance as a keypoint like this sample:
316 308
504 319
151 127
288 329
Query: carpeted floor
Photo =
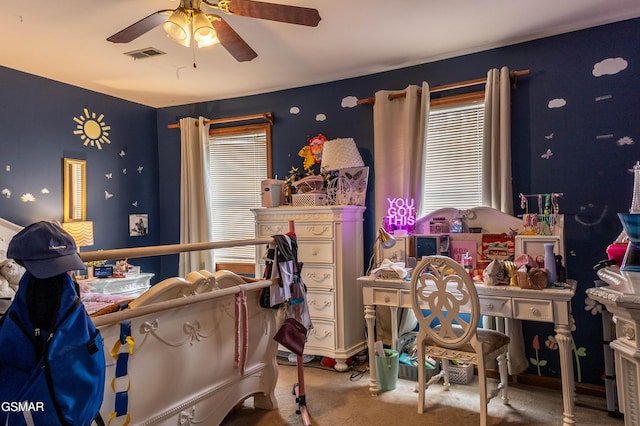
343 399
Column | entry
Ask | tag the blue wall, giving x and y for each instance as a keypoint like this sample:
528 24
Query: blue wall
586 137
36 133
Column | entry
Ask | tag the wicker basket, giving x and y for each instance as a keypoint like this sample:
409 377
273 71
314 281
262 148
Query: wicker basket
308 199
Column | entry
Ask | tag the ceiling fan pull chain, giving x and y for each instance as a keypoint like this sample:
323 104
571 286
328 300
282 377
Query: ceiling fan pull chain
193 49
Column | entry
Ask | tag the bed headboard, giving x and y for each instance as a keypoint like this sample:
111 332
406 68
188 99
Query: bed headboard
7 231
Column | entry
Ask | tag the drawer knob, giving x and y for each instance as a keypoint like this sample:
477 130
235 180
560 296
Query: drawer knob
315 251
387 299
491 307
535 312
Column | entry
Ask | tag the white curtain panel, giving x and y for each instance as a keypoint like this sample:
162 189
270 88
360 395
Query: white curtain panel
194 195
399 127
497 191
497 188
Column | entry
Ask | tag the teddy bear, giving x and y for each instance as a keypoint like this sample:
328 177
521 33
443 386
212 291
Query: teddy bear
6 292
11 272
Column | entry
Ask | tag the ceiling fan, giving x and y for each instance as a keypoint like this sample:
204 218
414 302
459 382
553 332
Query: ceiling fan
189 21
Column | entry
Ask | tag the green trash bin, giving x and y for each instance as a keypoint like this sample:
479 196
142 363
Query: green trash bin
387 370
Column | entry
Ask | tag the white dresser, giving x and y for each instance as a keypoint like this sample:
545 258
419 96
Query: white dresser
330 247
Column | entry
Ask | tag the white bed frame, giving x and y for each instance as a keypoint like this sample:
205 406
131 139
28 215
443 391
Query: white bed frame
182 368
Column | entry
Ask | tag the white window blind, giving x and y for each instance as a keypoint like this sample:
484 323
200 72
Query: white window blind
237 165
453 158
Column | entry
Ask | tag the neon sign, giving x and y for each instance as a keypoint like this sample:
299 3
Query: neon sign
401 216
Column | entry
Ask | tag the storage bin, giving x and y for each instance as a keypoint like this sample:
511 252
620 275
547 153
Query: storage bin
462 374
308 199
387 370
410 372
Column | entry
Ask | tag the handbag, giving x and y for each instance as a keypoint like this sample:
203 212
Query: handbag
292 335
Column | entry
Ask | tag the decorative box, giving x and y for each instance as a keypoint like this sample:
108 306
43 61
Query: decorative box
308 199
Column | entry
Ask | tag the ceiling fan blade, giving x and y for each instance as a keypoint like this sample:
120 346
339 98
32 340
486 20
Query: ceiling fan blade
231 40
275 12
134 31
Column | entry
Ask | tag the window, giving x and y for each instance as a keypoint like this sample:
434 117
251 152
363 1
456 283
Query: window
453 153
239 160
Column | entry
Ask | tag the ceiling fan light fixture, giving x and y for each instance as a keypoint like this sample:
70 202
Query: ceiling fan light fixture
178 26
203 32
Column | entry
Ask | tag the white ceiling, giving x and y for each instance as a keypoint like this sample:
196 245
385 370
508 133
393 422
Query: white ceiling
66 41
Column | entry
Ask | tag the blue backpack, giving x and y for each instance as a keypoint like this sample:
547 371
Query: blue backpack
52 362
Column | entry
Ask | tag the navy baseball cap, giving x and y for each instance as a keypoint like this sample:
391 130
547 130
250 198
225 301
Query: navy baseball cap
45 250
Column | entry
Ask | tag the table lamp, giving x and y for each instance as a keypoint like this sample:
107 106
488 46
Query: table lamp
81 232
338 154
386 241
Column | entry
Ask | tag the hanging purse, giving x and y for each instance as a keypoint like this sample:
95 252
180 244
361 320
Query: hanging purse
292 335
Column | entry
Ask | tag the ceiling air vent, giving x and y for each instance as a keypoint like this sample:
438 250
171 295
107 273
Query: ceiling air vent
144 53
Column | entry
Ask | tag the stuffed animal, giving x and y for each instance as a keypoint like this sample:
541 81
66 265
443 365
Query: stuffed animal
5 290
12 272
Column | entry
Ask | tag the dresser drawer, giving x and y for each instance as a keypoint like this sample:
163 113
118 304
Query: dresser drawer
318 276
495 306
271 229
315 251
316 230
321 304
321 336
530 309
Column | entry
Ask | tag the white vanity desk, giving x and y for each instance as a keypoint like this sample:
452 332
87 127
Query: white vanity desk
548 305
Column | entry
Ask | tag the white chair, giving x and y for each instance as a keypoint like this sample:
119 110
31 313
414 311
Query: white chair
443 292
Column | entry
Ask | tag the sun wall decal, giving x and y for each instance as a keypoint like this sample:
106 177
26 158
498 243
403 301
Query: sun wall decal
92 129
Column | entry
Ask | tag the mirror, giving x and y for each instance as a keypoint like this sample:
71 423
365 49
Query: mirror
74 190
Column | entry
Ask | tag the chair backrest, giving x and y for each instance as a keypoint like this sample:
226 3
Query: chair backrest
444 301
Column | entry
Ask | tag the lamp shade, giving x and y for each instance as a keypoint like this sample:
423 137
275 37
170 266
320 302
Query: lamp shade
81 232
340 154
386 240
178 26
203 32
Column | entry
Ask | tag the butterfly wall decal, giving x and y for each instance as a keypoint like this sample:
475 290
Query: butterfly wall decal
107 195
109 175
547 154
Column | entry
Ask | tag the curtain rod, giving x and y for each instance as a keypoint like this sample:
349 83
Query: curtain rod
264 115
513 75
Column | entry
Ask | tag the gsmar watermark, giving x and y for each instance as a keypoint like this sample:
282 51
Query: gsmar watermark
19 406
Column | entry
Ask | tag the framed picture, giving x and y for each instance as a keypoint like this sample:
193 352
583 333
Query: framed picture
138 225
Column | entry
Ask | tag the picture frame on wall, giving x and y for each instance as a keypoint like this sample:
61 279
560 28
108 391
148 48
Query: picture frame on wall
138 225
